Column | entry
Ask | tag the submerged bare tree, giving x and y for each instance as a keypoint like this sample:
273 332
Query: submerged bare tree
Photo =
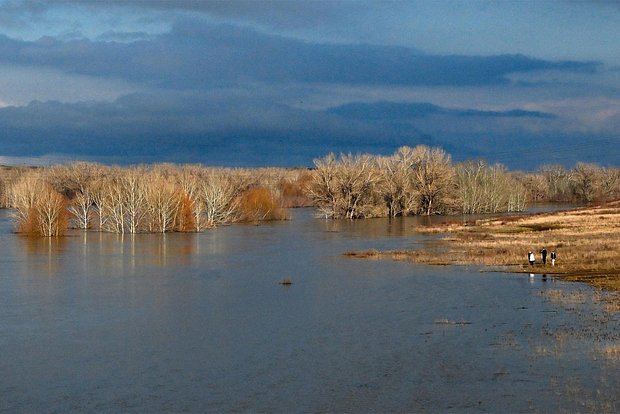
419 180
346 187
22 198
219 194
323 188
163 201
396 182
50 213
433 179
190 180
38 208
81 210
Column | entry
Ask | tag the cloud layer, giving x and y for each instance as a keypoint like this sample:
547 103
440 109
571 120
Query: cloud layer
246 92
195 54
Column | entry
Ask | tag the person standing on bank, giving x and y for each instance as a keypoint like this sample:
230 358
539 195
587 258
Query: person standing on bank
553 257
543 252
531 258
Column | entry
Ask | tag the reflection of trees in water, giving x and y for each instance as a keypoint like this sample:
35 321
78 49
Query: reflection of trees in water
114 252
162 249
385 226
43 253
134 250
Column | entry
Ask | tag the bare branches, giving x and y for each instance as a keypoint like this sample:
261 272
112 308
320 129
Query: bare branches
433 178
489 189
219 194
38 208
345 187
420 180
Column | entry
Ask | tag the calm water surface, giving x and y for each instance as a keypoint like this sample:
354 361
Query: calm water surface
198 323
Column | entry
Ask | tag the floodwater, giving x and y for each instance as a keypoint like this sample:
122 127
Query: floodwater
199 323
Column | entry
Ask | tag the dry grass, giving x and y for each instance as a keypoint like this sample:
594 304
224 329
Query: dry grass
609 351
587 242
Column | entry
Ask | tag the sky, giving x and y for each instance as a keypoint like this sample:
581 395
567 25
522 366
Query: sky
260 83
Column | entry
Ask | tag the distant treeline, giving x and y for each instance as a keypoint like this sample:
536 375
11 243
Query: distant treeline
424 180
166 197
146 199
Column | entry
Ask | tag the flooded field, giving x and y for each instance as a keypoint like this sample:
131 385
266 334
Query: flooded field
200 323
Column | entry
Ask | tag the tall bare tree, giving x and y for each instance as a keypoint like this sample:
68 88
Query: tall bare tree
163 200
584 179
81 209
433 178
133 192
220 196
395 185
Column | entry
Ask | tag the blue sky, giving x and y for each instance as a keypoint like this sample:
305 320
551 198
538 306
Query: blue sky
524 83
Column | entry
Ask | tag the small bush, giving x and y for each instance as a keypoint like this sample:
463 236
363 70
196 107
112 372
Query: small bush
258 204
185 220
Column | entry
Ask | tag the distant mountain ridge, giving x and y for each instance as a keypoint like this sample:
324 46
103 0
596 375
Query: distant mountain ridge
386 110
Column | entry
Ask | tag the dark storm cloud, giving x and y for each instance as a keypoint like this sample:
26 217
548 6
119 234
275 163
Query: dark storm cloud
403 111
189 127
198 55
232 128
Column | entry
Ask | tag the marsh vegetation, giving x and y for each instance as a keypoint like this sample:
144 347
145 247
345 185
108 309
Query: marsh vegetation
424 181
145 199
165 198
585 239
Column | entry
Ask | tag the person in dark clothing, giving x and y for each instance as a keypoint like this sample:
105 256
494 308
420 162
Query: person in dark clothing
543 252
553 257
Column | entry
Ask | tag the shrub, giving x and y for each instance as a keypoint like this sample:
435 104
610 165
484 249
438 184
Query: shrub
39 209
258 204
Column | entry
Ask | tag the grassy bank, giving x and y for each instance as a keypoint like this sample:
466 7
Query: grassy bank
587 241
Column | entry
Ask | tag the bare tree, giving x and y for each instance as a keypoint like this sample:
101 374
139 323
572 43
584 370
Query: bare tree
133 194
346 187
163 199
584 181
23 199
219 193
190 180
100 193
38 208
81 209
558 183
357 180
433 178
51 212
609 184
323 189
395 186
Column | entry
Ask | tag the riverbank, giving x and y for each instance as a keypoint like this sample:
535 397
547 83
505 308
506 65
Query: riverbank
585 239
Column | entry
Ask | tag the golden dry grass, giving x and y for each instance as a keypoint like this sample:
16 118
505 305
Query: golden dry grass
587 242
609 351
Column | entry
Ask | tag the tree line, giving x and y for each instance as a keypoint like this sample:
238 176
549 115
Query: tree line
424 180
145 199
166 197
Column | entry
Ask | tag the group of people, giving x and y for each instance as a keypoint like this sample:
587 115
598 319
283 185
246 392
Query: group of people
531 257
